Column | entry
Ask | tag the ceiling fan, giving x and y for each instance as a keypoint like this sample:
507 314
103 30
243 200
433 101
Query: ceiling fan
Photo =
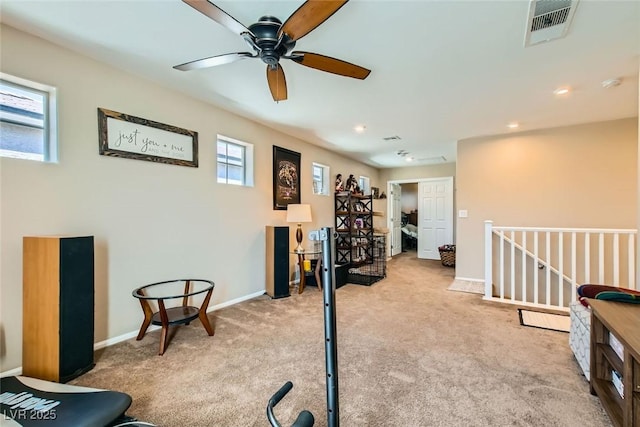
272 40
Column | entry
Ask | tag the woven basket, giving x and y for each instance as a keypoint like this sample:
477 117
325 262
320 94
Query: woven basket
448 255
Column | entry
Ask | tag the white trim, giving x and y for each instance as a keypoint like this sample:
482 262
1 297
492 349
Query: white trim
412 181
417 181
326 179
11 372
50 114
129 335
470 286
248 159
467 279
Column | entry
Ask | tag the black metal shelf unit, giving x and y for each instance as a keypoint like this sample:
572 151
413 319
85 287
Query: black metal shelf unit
356 245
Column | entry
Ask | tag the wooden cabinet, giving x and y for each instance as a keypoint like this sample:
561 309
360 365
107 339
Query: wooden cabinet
609 371
58 307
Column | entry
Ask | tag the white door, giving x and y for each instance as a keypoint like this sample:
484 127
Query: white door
396 219
435 216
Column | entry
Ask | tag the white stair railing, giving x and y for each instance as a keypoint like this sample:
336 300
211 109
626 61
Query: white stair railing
542 267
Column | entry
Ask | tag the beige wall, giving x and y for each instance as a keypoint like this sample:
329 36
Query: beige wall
417 172
409 200
577 176
151 222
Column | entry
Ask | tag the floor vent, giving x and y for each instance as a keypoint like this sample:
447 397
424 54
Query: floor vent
548 20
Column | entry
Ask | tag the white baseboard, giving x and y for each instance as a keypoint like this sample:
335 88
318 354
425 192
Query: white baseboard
12 372
133 334
467 279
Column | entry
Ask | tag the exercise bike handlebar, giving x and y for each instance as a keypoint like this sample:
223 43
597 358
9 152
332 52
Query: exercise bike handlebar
305 418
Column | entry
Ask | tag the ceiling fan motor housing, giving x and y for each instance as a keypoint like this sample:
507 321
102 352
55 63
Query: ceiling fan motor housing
266 38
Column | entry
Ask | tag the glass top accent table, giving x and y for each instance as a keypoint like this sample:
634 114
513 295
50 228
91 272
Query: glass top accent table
301 258
183 314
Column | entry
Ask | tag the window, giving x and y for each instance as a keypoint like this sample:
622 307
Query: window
320 179
27 119
365 184
235 162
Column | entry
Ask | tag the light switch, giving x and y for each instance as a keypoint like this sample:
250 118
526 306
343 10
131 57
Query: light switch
462 213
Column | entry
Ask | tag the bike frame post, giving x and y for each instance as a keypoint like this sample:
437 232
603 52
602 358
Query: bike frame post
331 349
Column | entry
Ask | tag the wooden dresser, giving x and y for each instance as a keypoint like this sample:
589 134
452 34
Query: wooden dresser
623 321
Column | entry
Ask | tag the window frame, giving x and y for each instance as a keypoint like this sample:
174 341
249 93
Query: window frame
364 182
247 161
49 112
324 191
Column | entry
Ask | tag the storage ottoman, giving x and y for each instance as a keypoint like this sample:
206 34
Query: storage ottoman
579 334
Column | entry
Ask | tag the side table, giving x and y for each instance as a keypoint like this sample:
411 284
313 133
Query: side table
301 258
180 315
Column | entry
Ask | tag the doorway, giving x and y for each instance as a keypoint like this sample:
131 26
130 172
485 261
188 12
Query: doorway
421 217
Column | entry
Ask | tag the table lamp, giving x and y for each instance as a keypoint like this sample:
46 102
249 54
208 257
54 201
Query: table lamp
299 214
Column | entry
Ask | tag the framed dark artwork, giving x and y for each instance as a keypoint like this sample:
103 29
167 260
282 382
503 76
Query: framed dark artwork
286 178
375 192
130 137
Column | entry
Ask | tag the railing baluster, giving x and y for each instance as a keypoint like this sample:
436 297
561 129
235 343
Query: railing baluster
560 269
587 257
632 262
548 276
524 266
574 271
513 264
601 258
536 260
616 261
502 265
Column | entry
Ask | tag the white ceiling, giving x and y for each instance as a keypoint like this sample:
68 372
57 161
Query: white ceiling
441 70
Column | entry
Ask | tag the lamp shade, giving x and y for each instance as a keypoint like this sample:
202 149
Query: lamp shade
299 213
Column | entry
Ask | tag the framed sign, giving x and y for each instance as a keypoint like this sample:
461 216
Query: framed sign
286 178
122 135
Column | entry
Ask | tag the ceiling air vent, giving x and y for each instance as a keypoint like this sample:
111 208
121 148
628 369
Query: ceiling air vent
548 20
392 138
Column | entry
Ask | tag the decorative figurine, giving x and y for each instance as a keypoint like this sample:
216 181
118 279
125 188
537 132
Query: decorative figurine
339 183
352 183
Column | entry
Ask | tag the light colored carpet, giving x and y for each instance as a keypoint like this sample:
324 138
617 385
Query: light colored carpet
551 321
410 354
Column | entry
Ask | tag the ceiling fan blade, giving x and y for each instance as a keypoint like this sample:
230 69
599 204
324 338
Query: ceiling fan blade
213 61
308 16
330 65
277 83
220 16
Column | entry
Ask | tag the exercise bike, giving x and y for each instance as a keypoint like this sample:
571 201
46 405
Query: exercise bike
305 418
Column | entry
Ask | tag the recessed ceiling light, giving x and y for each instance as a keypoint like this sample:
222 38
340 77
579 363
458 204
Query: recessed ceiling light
360 128
409 159
561 91
513 125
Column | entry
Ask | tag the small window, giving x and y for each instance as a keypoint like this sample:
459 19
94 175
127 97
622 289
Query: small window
320 179
365 185
27 119
235 162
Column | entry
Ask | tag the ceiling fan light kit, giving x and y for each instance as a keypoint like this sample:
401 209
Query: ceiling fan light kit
272 40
